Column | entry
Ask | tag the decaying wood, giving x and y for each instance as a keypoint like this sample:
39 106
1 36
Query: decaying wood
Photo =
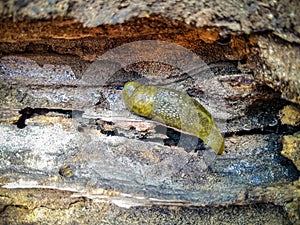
70 148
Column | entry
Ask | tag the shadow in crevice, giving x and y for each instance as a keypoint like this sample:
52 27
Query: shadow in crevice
29 112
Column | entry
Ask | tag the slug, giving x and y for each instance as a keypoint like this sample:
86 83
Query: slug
175 109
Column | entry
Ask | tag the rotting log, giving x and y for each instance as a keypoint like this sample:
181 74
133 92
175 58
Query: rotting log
71 151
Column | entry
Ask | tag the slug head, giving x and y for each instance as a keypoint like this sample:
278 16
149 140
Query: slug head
127 92
139 99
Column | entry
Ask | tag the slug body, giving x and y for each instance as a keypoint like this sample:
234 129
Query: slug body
174 109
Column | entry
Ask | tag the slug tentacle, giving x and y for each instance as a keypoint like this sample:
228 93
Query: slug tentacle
174 109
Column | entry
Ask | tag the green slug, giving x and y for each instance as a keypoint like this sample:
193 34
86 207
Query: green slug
175 109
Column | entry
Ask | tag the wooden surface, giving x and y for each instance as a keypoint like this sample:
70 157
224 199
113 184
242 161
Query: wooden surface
70 148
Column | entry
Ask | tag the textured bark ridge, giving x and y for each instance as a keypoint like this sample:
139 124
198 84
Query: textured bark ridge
70 151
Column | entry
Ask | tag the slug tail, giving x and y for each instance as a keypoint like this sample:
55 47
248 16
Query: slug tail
215 140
